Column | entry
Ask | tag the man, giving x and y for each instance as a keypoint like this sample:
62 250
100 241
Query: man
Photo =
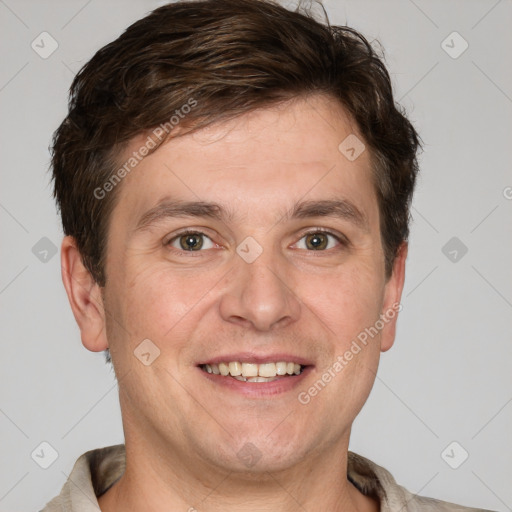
234 181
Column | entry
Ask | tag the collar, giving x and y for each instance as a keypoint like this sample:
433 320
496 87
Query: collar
97 470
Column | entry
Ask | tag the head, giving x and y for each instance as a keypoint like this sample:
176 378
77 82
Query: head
228 119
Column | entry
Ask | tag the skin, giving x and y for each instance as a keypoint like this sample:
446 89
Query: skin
182 432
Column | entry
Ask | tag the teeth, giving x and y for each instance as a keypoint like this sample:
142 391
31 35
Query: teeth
235 368
252 372
267 370
223 369
249 370
281 368
261 379
255 379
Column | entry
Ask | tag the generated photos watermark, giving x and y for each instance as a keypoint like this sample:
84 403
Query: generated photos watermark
158 134
362 338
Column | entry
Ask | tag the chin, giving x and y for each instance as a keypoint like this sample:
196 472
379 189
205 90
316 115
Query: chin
256 452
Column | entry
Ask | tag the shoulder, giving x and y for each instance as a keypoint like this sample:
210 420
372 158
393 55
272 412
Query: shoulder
92 474
374 480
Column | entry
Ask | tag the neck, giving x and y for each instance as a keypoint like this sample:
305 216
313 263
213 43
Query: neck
155 478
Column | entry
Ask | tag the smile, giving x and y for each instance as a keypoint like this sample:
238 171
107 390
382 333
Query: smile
252 372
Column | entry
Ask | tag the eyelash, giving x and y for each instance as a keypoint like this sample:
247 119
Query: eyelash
338 237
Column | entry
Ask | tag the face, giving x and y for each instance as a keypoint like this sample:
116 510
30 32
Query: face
252 241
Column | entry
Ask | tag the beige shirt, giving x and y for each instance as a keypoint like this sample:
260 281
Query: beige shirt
97 470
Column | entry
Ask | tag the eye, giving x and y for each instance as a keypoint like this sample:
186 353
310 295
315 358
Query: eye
318 241
191 241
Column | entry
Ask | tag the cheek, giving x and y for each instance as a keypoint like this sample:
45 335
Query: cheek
346 301
161 304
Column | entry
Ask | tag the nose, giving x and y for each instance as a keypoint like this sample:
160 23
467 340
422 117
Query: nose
260 295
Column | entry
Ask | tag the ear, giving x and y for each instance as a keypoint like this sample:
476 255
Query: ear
392 294
84 295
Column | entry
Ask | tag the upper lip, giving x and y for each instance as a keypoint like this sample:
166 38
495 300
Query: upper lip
251 357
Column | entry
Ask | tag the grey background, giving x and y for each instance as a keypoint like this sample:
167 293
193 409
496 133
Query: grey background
448 376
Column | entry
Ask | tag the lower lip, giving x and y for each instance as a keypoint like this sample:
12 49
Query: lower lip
259 389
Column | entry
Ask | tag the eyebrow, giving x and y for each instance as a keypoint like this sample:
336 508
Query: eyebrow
335 208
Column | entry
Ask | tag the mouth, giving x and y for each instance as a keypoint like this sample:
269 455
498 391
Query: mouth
257 376
254 372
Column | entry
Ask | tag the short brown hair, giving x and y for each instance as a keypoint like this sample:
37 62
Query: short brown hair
230 57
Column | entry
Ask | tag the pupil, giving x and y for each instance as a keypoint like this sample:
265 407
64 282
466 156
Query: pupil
191 242
317 240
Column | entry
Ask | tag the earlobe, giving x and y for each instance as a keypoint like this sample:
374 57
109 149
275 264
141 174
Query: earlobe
392 296
84 295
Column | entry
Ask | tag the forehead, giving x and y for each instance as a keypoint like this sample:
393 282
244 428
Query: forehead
270 157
